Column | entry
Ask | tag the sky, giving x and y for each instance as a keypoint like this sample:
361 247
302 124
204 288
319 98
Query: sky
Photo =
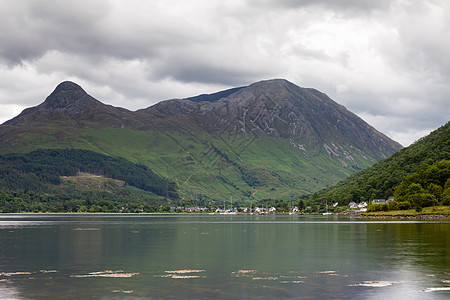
388 61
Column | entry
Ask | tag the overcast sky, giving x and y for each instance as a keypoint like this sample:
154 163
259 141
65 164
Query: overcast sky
388 61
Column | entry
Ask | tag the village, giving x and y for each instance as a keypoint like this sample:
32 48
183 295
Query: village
353 207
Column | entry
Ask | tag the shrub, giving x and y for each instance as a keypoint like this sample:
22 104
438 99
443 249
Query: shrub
375 207
446 197
404 205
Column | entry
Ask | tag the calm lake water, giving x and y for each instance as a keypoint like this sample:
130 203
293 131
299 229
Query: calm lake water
221 257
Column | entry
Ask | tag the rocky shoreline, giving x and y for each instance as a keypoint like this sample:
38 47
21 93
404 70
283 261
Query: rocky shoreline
424 217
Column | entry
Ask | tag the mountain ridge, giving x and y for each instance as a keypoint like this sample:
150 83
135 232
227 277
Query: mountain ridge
255 111
271 138
69 102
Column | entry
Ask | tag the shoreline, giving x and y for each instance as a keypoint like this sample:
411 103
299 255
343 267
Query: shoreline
424 217
419 217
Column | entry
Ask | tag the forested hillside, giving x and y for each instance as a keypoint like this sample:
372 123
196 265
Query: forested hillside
429 186
380 180
45 180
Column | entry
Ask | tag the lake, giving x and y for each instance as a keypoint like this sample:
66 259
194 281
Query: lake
221 257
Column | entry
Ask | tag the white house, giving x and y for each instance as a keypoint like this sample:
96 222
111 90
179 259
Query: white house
353 205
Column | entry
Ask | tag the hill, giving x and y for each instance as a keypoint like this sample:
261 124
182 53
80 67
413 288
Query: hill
271 139
72 180
380 180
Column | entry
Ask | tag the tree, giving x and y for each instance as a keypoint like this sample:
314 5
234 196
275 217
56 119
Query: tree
420 200
435 190
301 205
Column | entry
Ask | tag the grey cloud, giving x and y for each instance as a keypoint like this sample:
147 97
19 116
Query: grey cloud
392 113
84 28
420 40
349 6
134 52
35 27
191 68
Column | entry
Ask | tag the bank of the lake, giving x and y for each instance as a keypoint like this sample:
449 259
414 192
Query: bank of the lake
427 213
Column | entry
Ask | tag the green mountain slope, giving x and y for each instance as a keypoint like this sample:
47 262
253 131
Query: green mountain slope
271 139
378 181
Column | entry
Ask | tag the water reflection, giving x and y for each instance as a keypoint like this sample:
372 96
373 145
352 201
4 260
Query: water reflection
242 257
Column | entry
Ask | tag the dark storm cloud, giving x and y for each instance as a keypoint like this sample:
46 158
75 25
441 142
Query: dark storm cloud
35 27
83 28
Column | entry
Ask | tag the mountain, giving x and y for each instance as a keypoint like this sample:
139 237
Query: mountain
280 109
271 139
380 180
70 104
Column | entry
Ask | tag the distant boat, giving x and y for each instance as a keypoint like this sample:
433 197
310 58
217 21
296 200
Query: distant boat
229 211
326 213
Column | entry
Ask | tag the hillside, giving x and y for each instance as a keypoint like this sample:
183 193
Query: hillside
379 181
271 139
72 180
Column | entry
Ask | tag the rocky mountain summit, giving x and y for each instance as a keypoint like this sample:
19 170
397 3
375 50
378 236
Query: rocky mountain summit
69 102
280 109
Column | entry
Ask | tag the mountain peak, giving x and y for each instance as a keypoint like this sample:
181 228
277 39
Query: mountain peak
273 83
69 97
68 86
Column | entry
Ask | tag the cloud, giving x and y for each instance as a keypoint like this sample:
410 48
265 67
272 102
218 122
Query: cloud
359 6
384 60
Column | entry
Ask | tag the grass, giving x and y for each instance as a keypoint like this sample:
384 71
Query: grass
86 181
438 210
206 167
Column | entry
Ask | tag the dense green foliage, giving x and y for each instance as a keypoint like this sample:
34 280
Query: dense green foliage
429 186
32 182
380 180
48 165
80 201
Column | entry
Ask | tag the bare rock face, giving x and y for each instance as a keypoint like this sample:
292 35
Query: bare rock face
281 109
71 104
70 98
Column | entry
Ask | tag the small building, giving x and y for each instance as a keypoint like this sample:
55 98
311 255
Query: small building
362 205
353 205
378 201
